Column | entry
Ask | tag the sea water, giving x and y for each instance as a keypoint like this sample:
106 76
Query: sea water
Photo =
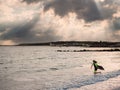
43 68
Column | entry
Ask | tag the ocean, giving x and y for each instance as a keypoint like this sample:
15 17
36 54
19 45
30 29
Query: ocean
43 68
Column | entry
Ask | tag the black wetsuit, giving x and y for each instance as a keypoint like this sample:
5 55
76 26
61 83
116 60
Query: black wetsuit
95 66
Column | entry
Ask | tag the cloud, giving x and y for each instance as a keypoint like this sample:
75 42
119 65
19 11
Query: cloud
109 8
7 42
89 10
19 30
47 36
31 1
26 31
86 9
53 20
19 24
116 24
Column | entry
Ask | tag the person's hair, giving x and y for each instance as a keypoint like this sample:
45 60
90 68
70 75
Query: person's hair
94 61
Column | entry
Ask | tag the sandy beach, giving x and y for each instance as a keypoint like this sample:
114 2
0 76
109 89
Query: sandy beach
110 84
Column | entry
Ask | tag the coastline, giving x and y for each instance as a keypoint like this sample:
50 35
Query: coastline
110 84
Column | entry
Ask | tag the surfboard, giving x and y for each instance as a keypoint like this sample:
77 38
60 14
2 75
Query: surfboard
100 67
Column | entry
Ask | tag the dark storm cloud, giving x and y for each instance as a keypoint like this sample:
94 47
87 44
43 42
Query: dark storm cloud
31 1
19 31
2 27
25 32
88 10
85 9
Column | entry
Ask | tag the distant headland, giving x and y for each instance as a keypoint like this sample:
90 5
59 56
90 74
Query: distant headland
75 43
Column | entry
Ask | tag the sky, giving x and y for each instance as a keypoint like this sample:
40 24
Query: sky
36 21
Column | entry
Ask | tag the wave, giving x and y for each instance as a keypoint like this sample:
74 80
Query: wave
92 80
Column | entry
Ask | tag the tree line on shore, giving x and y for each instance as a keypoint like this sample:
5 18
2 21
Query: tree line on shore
75 43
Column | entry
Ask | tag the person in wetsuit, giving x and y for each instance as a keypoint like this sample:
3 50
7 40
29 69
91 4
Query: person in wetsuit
95 66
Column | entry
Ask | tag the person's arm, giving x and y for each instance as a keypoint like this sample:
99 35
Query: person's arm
91 66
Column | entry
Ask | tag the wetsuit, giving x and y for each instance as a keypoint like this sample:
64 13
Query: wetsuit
95 67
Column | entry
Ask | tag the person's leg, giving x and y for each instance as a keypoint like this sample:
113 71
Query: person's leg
95 70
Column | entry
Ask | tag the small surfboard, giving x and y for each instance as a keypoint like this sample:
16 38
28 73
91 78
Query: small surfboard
100 67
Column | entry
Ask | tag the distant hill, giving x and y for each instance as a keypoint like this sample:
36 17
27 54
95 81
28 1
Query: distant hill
75 43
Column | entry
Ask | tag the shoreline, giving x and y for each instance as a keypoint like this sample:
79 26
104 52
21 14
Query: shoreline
110 84
72 43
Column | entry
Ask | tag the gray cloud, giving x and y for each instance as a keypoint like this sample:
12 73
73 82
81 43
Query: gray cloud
109 7
31 1
19 31
25 32
86 9
47 30
115 2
